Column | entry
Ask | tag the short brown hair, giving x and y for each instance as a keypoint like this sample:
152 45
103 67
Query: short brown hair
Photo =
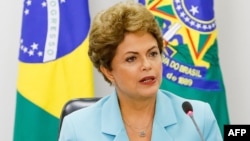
109 27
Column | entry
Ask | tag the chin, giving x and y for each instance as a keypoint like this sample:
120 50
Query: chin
150 92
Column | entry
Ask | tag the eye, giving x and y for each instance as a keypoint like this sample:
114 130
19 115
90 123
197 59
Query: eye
154 53
131 59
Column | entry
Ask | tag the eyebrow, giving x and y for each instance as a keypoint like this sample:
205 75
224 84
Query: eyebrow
133 52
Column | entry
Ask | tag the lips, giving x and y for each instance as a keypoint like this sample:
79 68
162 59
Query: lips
148 80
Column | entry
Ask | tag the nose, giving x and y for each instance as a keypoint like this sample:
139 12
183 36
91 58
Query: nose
146 64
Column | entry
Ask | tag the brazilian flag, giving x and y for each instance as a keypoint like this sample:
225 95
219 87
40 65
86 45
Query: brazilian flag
53 65
191 66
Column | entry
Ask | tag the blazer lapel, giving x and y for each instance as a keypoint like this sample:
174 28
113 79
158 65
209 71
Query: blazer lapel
164 118
112 123
121 136
160 134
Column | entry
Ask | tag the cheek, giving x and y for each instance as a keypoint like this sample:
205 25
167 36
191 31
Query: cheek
161 67
124 74
158 65
125 79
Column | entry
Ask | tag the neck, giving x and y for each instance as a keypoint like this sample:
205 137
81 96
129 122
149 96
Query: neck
138 117
134 110
138 114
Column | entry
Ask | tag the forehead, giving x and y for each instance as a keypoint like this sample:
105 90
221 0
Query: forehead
135 41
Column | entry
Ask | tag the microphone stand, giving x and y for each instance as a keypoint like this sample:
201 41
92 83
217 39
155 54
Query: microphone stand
196 126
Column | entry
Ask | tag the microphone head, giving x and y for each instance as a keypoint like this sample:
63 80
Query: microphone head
187 108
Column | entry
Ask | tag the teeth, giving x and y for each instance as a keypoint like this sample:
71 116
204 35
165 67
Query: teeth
147 80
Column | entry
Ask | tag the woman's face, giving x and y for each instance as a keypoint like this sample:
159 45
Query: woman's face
137 66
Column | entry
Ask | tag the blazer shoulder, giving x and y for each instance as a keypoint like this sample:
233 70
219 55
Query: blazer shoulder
197 105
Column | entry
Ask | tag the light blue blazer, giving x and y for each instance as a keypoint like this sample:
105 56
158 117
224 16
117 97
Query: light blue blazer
103 122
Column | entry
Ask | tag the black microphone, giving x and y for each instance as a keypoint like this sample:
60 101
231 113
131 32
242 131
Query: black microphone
188 109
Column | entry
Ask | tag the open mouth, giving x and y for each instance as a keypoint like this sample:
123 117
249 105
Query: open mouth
148 80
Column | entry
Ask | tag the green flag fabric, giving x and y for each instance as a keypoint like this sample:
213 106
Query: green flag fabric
53 65
191 66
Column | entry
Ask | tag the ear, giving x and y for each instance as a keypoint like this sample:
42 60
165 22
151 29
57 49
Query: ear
107 73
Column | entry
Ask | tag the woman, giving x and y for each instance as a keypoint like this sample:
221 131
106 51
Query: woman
125 46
